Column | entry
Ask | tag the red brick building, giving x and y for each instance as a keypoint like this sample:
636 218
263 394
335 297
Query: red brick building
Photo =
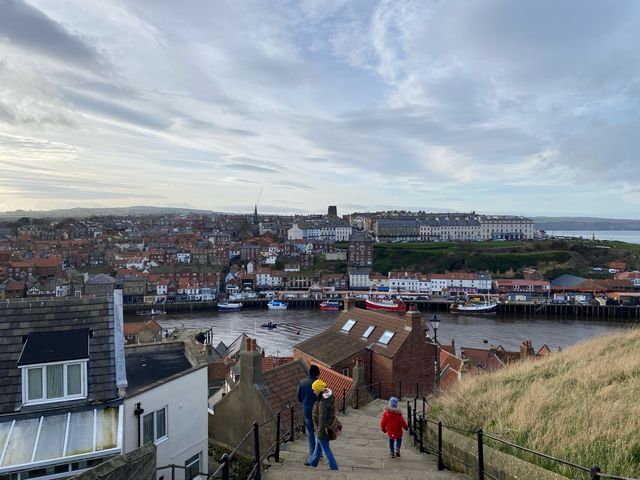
392 349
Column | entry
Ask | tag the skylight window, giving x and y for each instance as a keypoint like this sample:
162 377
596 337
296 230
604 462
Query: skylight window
386 337
348 325
368 331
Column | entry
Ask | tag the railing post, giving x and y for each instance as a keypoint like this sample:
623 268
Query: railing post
276 455
400 389
417 389
357 397
421 434
256 449
424 405
225 466
379 390
292 431
409 418
440 462
173 472
480 456
594 472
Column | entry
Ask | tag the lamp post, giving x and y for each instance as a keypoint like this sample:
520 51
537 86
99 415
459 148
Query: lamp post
435 323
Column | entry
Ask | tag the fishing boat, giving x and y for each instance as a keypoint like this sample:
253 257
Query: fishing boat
277 305
269 325
229 306
477 305
389 305
330 305
150 313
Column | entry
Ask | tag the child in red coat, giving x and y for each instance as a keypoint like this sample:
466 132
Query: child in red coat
392 423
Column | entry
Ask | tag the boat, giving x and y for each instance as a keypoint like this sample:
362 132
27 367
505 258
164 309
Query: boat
229 306
389 305
277 305
150 313
269 325
477 305
330 305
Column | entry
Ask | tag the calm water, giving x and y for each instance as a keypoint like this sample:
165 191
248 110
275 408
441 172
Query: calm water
297 325
630 236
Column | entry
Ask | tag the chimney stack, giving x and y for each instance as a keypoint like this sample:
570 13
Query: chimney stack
413 319
346 304
250 364
453 345
526 349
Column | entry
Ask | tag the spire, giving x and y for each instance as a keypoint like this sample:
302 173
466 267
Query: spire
256 220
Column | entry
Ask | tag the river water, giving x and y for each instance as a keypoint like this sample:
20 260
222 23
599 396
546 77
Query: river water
297 325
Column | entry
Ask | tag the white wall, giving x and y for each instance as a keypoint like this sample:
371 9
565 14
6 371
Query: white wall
187 431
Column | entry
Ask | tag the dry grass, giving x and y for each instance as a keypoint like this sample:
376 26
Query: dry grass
582 404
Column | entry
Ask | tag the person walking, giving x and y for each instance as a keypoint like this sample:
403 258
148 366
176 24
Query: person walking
324 415
392 423
307 398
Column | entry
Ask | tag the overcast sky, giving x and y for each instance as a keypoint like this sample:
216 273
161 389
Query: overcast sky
498 106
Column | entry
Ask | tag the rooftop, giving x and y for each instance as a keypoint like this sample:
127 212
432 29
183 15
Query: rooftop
148 365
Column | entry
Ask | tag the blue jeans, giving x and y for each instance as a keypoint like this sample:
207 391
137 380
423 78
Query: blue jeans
398 444
323 445
308 427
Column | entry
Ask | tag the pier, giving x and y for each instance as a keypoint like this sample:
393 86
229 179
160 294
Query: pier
619 313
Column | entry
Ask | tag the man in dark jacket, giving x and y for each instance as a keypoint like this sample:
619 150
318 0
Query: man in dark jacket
307 398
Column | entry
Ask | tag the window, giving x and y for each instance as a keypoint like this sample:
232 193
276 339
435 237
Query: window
192 467
348 325
386 337
54 382
368 331
154 426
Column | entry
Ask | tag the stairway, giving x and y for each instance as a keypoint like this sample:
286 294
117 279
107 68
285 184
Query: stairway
362 453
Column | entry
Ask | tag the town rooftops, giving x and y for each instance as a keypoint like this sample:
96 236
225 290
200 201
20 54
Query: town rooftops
281 384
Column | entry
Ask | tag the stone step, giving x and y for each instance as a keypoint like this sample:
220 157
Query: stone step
322 471
349 449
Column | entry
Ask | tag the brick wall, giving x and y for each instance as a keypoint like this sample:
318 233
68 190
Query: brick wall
415 363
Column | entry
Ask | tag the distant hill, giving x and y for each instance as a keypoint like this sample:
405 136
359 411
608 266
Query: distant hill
585 223
80 212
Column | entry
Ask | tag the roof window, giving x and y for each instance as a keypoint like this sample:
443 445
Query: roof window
348 325
386 337
368 331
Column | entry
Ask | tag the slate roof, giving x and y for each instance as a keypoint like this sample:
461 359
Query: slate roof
146 366
566 281
281 386
55 346
334 345
21 318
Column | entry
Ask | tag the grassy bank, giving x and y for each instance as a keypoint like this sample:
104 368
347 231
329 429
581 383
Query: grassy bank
580 404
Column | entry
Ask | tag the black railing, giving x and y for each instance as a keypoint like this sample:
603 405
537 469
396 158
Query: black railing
260 454
365 393
417 424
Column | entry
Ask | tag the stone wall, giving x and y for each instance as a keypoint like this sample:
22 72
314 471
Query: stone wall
460 454
139 464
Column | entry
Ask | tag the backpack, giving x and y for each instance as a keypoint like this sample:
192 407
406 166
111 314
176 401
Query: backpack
334 430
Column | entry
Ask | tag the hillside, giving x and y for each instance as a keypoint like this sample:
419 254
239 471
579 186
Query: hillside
550 257
580 404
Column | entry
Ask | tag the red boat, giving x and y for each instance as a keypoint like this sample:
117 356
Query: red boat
387 305
329 305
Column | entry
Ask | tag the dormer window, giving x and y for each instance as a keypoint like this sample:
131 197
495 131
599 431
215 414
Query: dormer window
54 366
348 325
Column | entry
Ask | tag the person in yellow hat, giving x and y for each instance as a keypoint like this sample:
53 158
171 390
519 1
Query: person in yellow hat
324 414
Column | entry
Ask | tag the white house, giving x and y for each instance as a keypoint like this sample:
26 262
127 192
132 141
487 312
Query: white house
183 257
166 403
295 232
359 278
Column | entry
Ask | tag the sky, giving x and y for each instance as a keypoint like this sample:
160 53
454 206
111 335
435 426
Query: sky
498 106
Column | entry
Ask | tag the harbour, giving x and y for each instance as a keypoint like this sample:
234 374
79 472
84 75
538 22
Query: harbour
297 325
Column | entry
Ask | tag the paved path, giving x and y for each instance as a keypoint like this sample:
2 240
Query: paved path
362 452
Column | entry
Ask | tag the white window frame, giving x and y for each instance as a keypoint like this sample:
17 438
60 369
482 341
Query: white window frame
390 334
157 440
43 367
348 325
190 462
367 333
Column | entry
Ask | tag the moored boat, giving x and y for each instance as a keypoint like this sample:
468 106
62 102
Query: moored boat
389 305
330 305
150 313
277 305
229 306
483 306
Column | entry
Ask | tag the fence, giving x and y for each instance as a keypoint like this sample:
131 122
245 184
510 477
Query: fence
418 421
364 394
260 452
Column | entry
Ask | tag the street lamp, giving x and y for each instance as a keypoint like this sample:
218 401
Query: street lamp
435 323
